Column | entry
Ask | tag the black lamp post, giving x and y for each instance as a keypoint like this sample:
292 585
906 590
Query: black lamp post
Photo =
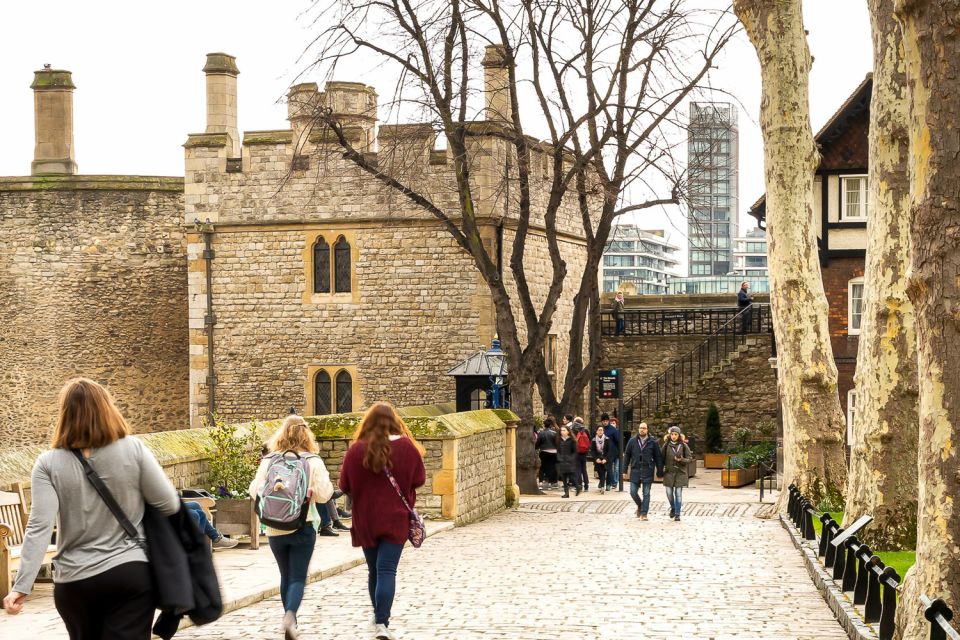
496 361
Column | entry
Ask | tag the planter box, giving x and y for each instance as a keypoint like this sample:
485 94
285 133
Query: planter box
715 460
236 517
730 478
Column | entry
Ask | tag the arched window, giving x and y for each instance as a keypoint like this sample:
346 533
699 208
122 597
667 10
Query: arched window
341 266
321 394
344 392
321 267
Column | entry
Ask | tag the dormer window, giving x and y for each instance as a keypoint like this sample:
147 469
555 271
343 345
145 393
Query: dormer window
853 198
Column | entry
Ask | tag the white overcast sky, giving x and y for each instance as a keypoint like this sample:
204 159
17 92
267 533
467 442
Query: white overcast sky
140 89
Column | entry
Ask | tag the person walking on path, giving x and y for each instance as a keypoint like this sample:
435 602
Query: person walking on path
567 460
744 305
293 549
600 448
613 464
102 582
676 455
582 436
618 313
641 460
383 452
547 446
203 523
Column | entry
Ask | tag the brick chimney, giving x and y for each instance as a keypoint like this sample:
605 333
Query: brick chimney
53 122
496 83
222 72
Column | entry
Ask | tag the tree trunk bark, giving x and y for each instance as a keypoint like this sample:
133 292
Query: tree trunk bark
528 462
885 423
813 420
932 56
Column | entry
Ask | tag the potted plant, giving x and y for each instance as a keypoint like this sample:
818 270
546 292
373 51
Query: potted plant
233 458
714 458
741 470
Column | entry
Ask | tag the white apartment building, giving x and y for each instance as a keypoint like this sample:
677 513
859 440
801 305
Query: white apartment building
644 258
750 254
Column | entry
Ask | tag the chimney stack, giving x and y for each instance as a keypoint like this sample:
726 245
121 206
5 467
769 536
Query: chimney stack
222 72
496 83
53 122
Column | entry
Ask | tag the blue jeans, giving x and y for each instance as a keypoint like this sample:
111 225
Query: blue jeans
644 504
382 561
674 495
200 518
324 510
292 552
613 471
621 326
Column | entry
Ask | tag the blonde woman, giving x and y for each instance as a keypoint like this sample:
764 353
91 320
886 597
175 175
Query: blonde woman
102 584
383 447
292 549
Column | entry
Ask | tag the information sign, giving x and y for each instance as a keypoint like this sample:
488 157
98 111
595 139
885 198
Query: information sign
609 384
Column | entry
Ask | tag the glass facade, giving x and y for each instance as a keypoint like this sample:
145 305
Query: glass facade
750 254
712 160
642 258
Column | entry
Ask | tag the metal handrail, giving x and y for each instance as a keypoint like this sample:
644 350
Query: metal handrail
669 322
689 367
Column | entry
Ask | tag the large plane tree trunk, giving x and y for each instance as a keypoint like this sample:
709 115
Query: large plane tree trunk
885 425
813 419
932 55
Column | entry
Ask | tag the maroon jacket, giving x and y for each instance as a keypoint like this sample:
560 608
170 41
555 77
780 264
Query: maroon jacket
378 512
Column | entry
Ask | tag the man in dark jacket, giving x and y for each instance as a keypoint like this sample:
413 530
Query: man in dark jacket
744 304
618 314
641 459
613 467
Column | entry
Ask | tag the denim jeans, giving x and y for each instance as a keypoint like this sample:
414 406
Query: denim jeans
200 518
327 511
583 480
382 561
635 489
293 552
613 472
674 495
621 326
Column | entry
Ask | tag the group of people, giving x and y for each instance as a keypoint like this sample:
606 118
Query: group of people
565 451
103 586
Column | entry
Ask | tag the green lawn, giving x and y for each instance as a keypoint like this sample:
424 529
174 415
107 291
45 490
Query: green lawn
899 560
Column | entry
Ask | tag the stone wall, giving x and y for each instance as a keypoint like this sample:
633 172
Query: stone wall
480 476
93 282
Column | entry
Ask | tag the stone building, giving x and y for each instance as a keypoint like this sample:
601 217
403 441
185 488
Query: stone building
314 286
93 281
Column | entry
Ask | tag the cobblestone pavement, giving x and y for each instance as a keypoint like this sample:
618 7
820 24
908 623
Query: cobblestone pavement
580 570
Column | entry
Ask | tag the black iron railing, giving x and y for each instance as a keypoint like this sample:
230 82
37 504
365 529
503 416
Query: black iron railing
857 570
689 368
671 322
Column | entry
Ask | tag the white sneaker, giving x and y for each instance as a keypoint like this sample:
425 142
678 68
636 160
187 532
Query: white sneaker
384 633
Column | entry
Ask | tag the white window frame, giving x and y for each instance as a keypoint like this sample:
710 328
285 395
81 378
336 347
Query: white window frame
851 412
850 285
863 198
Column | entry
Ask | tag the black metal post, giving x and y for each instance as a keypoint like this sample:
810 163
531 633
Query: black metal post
863 574
839 562
850 567
809 533
888 611
831 557
874 605
826 533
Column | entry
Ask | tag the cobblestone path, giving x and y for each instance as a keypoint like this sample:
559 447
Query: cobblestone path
578 571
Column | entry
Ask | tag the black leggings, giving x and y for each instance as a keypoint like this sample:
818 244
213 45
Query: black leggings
548 466
117 604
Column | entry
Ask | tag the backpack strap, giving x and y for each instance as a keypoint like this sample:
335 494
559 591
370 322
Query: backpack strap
108 498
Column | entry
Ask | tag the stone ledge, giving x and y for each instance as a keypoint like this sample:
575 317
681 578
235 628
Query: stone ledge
843 609
91 183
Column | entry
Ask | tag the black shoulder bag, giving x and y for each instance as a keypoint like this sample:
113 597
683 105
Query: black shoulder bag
110 501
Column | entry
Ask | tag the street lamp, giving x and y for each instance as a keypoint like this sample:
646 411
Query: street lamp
496 361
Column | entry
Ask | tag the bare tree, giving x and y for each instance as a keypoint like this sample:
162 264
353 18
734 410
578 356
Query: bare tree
806 372
885 423
602 80
932 60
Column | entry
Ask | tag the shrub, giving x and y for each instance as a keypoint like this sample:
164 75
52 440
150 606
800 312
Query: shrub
233 458
712 434
766 429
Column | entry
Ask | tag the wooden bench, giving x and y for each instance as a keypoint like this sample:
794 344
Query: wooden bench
13 521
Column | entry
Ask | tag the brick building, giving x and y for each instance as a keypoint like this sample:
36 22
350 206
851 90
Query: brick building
840 204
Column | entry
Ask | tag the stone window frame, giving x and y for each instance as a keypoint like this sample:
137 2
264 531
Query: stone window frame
332 370
331 236
550 355
863 192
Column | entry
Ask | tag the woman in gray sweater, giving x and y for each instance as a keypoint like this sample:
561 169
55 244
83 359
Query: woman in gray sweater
101 580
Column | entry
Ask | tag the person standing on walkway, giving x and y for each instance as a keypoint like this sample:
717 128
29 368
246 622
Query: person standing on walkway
102 582
676 455
600 448
744 306
582 436
618 313
547 446
567 460
641 460
613 464
203 523
383 460
293 549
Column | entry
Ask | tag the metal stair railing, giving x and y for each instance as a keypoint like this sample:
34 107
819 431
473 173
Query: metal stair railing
691 366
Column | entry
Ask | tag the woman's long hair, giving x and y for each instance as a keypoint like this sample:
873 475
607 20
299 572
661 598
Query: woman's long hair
379 423
293 435
88 417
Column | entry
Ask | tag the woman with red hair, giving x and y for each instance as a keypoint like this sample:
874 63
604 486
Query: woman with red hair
383 451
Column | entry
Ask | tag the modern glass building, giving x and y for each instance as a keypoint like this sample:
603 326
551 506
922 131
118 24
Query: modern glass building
713 168
750 254
643 258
